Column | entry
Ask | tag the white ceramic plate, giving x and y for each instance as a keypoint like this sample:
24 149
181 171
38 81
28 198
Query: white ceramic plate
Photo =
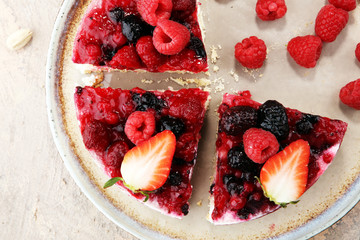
309 90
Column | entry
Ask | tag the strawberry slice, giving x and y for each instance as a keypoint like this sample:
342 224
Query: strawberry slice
146 167
284 175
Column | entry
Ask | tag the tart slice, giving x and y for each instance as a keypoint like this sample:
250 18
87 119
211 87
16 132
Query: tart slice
147 138
150 35
267 156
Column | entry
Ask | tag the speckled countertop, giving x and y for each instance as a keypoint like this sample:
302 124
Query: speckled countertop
39 199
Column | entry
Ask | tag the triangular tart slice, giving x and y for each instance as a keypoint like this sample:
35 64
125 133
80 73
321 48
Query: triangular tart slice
141 35
115 121
236 193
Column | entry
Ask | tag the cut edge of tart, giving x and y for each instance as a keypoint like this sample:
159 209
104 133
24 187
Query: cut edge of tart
124 103
324 136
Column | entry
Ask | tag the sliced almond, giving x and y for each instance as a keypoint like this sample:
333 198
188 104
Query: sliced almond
19 39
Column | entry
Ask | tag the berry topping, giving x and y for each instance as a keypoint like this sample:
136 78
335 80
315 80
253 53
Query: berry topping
175 125
260 145
357 52
237 202
272 117
197 45
347 5
284 176
132 28
268 10
236 158
185 209
189 110
108 52
126 57
147 165
329 22
238 119
96 136
147 100
116 153
148 54
153 10
350 94
116 14
233 184
183 8
140 126
170 37
305 50
251 52
306 124
175 178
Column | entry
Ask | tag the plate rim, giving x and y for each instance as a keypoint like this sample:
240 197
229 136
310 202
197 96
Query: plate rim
309 229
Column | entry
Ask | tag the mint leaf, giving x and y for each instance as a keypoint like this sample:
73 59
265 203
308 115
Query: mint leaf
112 181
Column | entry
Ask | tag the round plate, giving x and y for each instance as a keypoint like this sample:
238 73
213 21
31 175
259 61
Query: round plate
309 90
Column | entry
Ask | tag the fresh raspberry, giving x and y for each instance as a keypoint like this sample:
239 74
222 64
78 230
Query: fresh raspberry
350 94
140 126
347 5
260 145
190 110
153 10
330 21
251 52
148 54
357 52
126 57
170 37
115 154
268 10
305 50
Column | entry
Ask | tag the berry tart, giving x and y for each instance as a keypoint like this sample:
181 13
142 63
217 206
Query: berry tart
147 35
145 140
267 157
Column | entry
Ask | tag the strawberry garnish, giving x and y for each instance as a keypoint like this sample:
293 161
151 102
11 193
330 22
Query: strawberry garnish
284 175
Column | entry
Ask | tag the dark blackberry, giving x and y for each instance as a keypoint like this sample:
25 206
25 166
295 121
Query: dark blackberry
247 176
79 90
272 117
108 52
185 209
233 184
197 45
212 188
132 28
238 119
228 177
237 159
244 213
176 125
305 124
116 14
146 101
175 178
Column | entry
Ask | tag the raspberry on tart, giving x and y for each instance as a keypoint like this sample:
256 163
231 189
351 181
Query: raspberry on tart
112 121
306 146
115 34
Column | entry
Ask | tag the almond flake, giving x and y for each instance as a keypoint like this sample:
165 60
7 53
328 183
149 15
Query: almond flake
19 39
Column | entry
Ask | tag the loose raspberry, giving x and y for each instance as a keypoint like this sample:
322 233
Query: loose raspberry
153 10
357 52
126 57
115 154
347 5
305 50
330 21
140 126
268 10
170 37
148 54
350 94
251 52
260 145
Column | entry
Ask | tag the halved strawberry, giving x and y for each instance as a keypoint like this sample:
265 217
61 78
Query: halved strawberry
146 167
284 175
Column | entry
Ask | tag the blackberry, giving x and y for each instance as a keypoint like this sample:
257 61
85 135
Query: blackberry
108 52
197 45
305 124
175 178
237 159
116 14
233 184
132 28
272 117
146 101
185 209
212 188
244 213
176 125
238 119
79 90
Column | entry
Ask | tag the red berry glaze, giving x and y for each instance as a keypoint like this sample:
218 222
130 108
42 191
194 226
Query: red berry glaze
350 94
251 52
148 54
153 10
305 50
126 58
357 52
268 10
347 5
260 145
140 126
329 22
115 154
